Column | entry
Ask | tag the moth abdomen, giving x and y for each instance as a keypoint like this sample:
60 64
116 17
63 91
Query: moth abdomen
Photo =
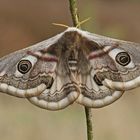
72 65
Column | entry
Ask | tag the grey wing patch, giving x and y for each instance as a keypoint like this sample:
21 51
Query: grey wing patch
94 67
41 74
15 83
127 60
93 93
15 70
126 57
64 89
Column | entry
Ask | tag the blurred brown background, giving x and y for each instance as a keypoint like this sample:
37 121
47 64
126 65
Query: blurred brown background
26 22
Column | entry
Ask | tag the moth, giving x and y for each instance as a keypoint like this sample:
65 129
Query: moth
73 66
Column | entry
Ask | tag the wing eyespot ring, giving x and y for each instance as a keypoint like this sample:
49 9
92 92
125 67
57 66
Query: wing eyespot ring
123 58
24 66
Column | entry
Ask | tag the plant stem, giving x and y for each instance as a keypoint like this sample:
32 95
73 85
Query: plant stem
88 112
73 10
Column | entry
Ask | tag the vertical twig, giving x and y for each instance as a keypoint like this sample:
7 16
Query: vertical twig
74 13
88 113
89 123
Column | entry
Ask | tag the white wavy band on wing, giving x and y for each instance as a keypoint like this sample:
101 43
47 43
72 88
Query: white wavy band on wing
54 105
98 103
122 85
20 92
